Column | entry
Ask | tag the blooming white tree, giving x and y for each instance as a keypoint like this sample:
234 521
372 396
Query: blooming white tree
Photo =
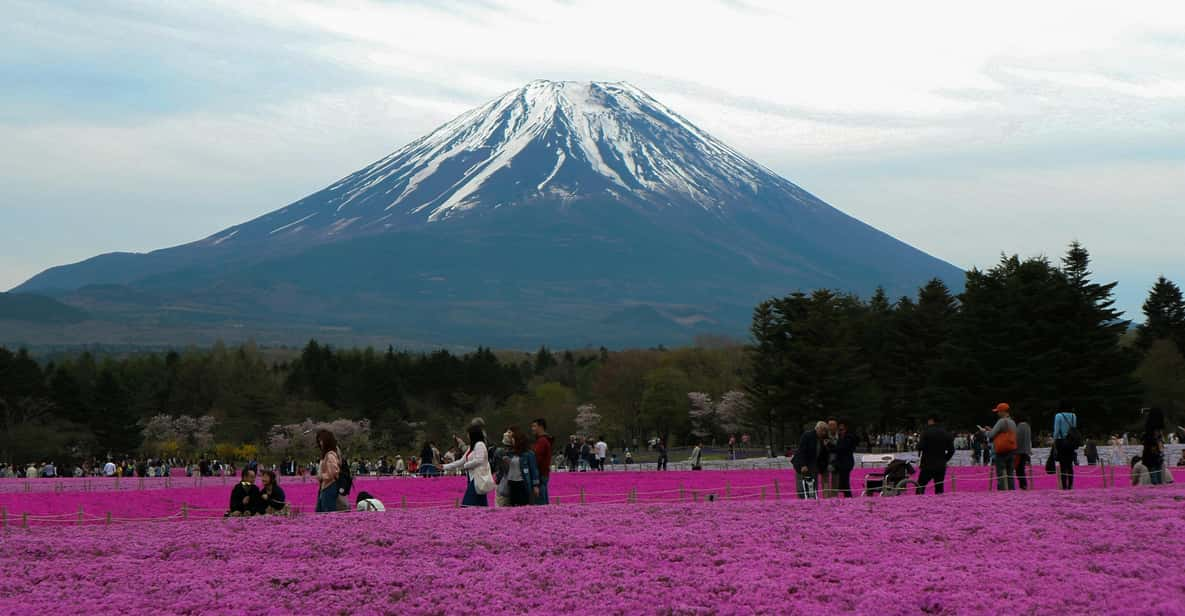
731 411
588 418
187 434
702 412
298 440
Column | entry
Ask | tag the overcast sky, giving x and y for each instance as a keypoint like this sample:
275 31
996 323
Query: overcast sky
965 130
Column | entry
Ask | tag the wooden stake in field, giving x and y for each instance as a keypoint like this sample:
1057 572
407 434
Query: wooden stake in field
108 522
184 511
777 491
80 515
952 482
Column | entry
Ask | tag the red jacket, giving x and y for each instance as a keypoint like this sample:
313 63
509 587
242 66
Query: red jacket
542 449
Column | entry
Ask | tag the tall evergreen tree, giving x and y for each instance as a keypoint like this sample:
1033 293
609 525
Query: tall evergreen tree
1164 316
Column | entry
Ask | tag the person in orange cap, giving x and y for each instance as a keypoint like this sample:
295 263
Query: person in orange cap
1003 440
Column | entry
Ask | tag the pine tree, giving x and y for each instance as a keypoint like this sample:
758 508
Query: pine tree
1097 369
1164 316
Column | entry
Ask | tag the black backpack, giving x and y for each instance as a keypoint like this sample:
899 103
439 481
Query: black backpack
345 480
1073 436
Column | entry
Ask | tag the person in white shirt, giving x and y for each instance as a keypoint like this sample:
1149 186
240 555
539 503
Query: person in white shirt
472 462
601 448
109 469
367 502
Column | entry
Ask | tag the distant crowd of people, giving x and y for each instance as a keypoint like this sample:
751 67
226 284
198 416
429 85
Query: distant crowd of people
825 457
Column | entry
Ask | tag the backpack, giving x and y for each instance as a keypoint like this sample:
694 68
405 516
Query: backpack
345 480
1073 436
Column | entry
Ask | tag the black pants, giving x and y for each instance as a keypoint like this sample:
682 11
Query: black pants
662 463
937 475
1023 464
1066 458
520 494
843 482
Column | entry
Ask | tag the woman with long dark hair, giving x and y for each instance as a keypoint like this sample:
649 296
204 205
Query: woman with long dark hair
271 496
476 464
522 469
331 460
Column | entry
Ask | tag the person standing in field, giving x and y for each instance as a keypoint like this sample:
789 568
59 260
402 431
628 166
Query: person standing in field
1116 450
1003 441
935 449
472 462
806 460
844 455
602 450
329 470
542 449
1024 453
1065 443
661 449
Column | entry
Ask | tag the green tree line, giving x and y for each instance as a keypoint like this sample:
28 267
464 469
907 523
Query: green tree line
1026 331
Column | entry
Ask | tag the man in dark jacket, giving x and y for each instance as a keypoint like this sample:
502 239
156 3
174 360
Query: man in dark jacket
936 447
844 451
542 449
806 458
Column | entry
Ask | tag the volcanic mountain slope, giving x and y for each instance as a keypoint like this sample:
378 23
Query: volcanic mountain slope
561 212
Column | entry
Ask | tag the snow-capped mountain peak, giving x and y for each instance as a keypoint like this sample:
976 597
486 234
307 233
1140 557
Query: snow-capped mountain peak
562 140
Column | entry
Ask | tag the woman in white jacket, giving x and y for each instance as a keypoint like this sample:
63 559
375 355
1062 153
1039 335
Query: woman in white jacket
474 461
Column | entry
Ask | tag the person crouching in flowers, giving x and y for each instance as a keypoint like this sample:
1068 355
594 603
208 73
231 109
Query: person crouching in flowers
271 496
472 462
327 496
244 498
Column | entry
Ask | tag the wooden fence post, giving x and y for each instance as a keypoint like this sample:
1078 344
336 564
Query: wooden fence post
184 511
763 494
777 491
108 518
403 502
581 495
80 515
24 520
953 477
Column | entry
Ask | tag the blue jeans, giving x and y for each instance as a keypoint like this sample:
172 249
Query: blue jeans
542 500
472 498
1157 475
327 499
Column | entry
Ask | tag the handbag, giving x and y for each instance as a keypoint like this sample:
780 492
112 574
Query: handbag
483 479
1005 442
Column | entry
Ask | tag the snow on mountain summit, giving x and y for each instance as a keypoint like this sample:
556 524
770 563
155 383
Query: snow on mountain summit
546 140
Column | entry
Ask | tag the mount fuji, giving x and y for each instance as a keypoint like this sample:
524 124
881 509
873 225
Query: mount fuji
561 213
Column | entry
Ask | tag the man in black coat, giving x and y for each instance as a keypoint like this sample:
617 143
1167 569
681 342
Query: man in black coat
844 450
936 447
806 458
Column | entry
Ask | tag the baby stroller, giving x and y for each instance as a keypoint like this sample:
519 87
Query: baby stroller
895 480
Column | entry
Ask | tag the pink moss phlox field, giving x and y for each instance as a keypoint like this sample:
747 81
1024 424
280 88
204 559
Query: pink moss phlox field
1043 552
210 498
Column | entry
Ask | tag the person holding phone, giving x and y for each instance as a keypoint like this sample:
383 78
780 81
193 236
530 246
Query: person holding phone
244 497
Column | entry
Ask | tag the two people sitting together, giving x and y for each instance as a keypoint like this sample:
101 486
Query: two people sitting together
247 499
